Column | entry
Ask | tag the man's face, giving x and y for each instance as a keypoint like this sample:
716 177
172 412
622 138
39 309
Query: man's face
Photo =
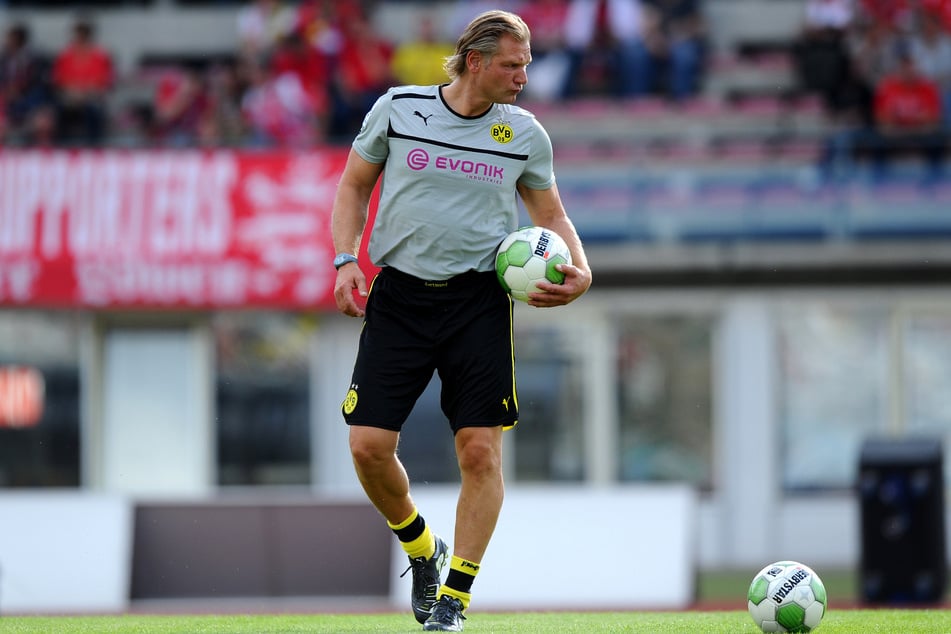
504 76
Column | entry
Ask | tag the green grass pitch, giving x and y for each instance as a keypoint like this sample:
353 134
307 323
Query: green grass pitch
706 622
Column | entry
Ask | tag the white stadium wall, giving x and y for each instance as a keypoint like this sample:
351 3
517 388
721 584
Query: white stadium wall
554 548
64 552
561 547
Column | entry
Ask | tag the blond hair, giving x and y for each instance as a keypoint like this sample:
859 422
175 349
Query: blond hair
483 35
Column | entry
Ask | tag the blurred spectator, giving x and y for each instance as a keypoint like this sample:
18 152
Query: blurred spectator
821 55
675 46
906 121
604 39
362 75
419 61
278 110
82 78
908 116
26 99
931 49
312 70
320 23
261 24
548 73
225 124
181 105
872 47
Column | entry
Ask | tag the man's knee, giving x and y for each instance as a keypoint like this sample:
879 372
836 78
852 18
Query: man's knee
479 451
371 446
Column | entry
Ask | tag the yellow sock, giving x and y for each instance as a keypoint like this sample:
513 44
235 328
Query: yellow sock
462 573
415 536
465 597
422 546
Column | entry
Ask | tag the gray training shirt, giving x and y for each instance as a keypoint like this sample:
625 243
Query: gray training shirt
448 194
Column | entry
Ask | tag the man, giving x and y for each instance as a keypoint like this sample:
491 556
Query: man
908 117
452 159
83 77
26 99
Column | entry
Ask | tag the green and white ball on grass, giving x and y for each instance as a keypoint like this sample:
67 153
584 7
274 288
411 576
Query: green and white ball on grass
528 256
787 596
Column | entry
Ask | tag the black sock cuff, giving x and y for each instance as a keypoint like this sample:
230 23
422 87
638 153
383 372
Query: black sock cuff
459 581
412 531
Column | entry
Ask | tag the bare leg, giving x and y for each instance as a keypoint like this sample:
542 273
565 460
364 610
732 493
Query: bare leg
479 451
380 472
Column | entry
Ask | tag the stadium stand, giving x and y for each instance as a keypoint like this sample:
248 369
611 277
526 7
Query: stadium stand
759 123
205 36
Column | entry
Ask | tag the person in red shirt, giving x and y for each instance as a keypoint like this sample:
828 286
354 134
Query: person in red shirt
309 64
82 79
908 110
181 106
278 110
906 119
363 71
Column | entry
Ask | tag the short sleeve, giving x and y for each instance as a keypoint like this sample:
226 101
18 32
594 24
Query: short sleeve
539 170
371 143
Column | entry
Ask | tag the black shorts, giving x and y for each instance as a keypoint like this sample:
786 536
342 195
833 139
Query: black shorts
460 328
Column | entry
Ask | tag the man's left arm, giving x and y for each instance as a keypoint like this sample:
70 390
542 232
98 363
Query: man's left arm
546 210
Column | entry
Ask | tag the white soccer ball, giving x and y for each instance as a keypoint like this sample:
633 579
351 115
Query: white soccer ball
528 256
787 596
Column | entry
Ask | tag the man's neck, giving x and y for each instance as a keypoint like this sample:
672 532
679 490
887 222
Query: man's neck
459 96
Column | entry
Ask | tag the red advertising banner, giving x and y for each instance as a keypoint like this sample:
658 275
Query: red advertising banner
167 229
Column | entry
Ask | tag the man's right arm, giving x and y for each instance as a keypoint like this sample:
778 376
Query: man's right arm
347 224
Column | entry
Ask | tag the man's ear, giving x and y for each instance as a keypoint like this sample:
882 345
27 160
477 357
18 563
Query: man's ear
473 61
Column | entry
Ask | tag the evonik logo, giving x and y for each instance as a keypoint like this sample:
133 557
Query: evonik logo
418 159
